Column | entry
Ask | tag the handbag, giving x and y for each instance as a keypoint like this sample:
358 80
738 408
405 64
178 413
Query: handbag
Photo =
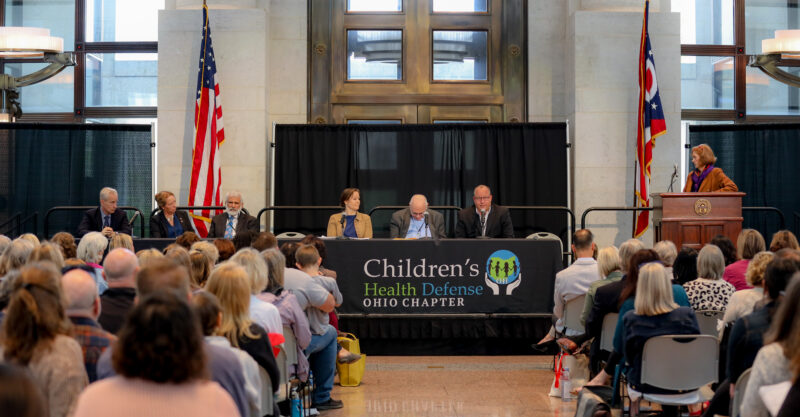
350 374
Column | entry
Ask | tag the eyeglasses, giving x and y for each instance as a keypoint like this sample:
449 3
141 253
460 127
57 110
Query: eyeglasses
482 198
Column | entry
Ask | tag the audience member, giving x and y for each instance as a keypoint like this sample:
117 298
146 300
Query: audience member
319 244
242 240
67 243
262 313
160 370
30 237
416 221
264 241
90 250
169 222
19 395
209 312
35 334
15 256
350 222
179 255
146 256
772 365
792 401
229 283
121 240
667 252
288 249
8 285
233 221
655 313
209 249
119 269
684 269
783 239
484 219
286 302
187 239
50 252
106 218
5 241
748 244
225 249
201 268
709 292
83 308
743 302
726 246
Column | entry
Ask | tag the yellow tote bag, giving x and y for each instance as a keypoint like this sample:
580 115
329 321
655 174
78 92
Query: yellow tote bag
350 374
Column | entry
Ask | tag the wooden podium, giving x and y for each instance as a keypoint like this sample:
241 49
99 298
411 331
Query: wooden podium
693 219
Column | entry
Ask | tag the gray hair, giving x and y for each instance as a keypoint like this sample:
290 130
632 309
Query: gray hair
667 252
15 255
276 263
608 261
106 192
207 248
417 196
710 262
255 266
91 246
233 193
5 241
627 249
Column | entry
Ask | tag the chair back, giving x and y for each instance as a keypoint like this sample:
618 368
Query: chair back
546 236
291 347
290 235
708 319
738 392
572 313
607 335
680 362
267 396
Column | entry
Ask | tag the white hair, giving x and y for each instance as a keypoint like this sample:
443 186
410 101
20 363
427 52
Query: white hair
91 246
233 193
106 192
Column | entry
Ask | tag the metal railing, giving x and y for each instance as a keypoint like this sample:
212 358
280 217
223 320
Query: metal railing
771 209
18 221
312 208
796 217
84 208
591 209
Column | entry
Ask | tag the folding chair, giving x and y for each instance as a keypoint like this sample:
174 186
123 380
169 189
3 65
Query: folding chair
708 319
738 392
607 335
290 235
267 393
572 314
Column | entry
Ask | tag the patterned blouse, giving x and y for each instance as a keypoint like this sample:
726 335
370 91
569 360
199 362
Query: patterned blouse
709 294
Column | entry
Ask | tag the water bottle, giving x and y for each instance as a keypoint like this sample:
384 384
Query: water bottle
294 405
566 386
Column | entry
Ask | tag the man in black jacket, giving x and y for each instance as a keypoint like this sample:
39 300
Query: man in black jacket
484 219
233 221
106 219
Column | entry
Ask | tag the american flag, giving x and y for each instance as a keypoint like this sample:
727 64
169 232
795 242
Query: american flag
208 135
651 124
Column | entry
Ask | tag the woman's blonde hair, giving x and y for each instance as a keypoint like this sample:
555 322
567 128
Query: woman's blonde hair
749 243
608 261
710 262
255 266
654 291
208 248
48 251
121 240
201 267
229 283
757 267
30 237
147 256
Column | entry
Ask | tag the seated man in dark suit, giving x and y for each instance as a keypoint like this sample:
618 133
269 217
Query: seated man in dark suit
417 221
484 219
106 218
233 221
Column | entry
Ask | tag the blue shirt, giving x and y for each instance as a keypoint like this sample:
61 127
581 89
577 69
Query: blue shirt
417 229
350 226
176 229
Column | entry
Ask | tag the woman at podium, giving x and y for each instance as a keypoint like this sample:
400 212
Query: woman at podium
707 178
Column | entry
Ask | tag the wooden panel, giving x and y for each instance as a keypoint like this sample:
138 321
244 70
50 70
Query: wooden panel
343 113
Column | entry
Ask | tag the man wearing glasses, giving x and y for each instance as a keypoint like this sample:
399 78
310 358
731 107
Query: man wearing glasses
484 219
417 221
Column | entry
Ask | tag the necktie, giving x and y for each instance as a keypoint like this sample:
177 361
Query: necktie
229 228
483 224
106 221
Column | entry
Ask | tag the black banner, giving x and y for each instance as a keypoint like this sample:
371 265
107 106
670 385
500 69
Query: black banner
456 276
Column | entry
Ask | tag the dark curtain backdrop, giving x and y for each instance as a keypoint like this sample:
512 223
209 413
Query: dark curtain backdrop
524 164
46 165
763 161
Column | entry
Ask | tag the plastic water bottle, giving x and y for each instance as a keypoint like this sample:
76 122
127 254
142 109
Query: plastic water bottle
566 386
295 406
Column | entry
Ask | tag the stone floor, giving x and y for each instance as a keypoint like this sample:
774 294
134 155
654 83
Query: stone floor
463 386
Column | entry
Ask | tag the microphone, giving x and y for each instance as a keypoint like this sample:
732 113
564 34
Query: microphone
483 221
341 221
673 178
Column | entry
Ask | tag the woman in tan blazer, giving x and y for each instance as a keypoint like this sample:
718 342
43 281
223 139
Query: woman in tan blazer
706 178
350 223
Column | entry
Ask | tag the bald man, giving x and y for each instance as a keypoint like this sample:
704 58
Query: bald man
484 219
119 270
417 221
83 307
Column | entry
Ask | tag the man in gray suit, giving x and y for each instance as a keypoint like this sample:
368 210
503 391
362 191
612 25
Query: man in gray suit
417 221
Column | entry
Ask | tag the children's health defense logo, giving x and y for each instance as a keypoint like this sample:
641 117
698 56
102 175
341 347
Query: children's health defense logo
503 269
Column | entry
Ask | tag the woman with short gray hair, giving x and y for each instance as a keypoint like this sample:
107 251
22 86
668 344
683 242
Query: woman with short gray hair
709 292
91 248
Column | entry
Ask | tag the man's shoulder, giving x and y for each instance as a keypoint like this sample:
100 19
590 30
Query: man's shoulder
467 211
401 213
222 215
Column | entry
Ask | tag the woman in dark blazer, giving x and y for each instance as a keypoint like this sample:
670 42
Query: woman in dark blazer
169 222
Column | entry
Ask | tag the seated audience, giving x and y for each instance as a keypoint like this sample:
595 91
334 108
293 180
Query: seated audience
667 252
749 243
35 334
709 292
264 241
201 268
90 250
742 302
655 313
119 269
684 269
160 370
178 254
726 246
106 218
792 401
83 308
286 302
19 395
225 249
8 285
5 241
15 256
121 240
187 239
67 243
229 283
609 266
262 313
49 252
242 240
772 365
208 310
319 244
234 220
783 239
207 248
169 222
146 256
